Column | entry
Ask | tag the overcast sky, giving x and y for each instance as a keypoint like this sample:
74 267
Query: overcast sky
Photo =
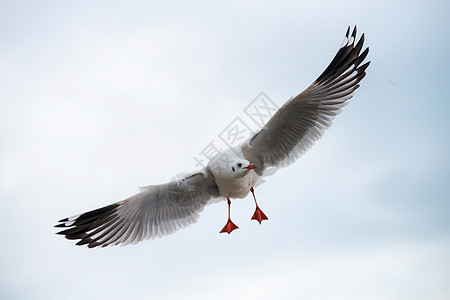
99 97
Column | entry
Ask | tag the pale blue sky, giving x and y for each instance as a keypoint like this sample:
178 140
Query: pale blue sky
98 98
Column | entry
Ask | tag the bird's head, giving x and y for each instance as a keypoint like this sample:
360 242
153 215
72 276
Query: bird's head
240 168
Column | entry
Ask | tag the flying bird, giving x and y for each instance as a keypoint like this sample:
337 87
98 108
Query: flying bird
160 210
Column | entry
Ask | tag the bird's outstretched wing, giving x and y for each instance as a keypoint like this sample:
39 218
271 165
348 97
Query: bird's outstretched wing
156 211
302 120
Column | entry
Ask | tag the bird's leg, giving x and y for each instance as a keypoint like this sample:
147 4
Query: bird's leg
230 226
258 215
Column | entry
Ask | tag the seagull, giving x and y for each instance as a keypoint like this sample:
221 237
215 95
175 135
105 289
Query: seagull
159 210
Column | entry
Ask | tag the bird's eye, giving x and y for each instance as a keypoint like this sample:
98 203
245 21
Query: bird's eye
232 168
239 165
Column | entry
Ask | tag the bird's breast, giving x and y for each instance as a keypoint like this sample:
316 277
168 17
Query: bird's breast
237 188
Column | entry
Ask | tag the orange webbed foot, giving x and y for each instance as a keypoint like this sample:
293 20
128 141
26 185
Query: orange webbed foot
229 227
259 215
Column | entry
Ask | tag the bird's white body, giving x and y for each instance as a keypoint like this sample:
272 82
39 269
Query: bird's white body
230 176
237 188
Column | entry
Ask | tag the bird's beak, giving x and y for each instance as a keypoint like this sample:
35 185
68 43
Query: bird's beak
250 167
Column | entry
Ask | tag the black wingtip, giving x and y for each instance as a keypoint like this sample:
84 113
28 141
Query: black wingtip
83 226
354 32
84 241
363 67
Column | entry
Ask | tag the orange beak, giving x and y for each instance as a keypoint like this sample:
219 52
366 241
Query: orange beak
250 167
